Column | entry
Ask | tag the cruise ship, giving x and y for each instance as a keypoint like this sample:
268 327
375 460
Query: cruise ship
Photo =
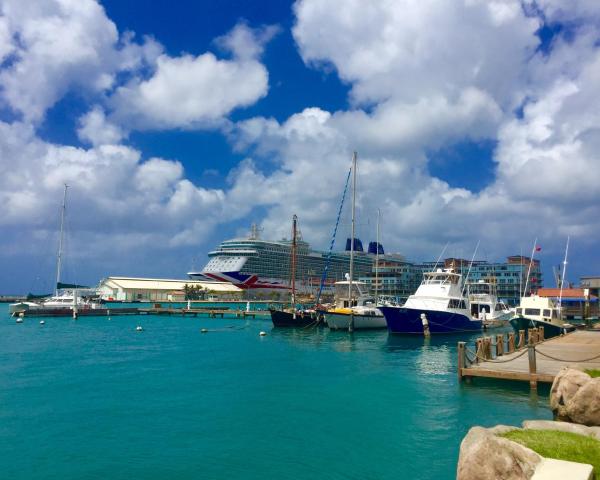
264 265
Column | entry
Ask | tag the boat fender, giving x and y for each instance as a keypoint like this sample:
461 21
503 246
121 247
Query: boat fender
425 323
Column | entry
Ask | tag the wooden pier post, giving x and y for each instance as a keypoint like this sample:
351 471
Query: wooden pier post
479 349
521 339
540 334
461 359
499 345
532 365
511 342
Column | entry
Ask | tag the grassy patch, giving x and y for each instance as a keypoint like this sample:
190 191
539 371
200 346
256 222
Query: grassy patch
593 372
560 445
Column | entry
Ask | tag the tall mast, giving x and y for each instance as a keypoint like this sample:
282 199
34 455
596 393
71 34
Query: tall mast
562 281
377 259
60 240
529 268
352 230
293 273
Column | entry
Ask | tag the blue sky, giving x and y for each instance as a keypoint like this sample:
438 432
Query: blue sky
177 124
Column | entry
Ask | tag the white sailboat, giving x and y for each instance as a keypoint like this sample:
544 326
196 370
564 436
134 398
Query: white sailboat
63 298
358 309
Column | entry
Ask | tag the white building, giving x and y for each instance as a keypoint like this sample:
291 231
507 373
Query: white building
129 289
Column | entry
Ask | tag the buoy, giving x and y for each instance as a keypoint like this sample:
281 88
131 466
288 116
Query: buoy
139 328
204 330
42 322
262 334
19 319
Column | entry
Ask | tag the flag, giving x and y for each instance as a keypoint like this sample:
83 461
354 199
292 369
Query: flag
538 248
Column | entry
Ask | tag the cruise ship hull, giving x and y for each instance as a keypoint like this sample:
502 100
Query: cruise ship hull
342 321
408 321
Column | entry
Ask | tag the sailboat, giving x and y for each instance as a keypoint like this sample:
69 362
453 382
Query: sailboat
292 316
535 311
354 307
65 296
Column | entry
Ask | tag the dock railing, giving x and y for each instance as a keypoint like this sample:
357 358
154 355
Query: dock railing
493 348
489 351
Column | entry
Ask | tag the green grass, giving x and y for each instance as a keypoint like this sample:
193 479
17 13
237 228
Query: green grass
593 372
559 445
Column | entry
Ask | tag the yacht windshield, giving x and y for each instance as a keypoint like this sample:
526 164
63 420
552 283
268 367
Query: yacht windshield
440 278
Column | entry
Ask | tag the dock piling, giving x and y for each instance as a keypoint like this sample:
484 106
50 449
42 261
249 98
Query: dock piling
461 359
511 342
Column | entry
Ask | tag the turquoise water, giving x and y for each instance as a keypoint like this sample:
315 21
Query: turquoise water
94 399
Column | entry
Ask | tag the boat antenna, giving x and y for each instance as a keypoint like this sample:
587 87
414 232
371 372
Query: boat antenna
377 260
562 281
529 268
351 327
337 222
440 257
293 273
469 271
60 239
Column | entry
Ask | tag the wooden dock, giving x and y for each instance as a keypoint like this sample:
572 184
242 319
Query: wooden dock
538 360
210 312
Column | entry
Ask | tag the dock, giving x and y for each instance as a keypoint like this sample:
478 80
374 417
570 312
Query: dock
532 359
210 312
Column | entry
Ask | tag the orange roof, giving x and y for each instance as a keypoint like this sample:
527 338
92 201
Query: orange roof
566 293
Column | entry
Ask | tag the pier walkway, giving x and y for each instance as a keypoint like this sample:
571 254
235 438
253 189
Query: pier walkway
537 361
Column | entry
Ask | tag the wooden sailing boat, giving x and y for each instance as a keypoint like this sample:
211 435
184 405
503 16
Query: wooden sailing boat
292 317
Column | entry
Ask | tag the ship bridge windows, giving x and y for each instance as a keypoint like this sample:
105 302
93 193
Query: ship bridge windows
532 311
440 278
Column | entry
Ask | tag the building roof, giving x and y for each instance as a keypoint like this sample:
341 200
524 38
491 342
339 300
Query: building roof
132 283
567 293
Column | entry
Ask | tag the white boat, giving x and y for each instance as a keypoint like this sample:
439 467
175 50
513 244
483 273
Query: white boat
357 310
486 306
440 302
65 296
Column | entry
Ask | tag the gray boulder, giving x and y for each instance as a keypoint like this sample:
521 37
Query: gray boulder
584 407
566 384
484 456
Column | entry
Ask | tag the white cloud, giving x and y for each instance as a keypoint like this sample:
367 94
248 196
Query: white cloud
97 130
63 44
409 50
188 91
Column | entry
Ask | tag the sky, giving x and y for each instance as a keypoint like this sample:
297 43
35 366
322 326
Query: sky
176 125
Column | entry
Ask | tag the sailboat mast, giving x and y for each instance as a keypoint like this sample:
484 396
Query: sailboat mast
529 268
562 281
352 229
293 273
60 240
377 259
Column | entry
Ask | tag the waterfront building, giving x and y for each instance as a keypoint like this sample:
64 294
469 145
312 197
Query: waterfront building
131 289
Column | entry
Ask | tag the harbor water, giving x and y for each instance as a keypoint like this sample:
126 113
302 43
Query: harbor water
94 398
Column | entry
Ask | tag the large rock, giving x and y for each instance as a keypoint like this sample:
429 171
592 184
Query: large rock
484 456
566 384
584 407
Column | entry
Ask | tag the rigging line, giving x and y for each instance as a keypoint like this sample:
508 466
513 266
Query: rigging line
324 276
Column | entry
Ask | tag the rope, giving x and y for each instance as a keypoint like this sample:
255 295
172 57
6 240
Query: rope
563 360
324 276
495 361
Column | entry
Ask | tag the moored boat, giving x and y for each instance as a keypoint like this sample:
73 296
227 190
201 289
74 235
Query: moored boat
354 309
439 305
535 312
